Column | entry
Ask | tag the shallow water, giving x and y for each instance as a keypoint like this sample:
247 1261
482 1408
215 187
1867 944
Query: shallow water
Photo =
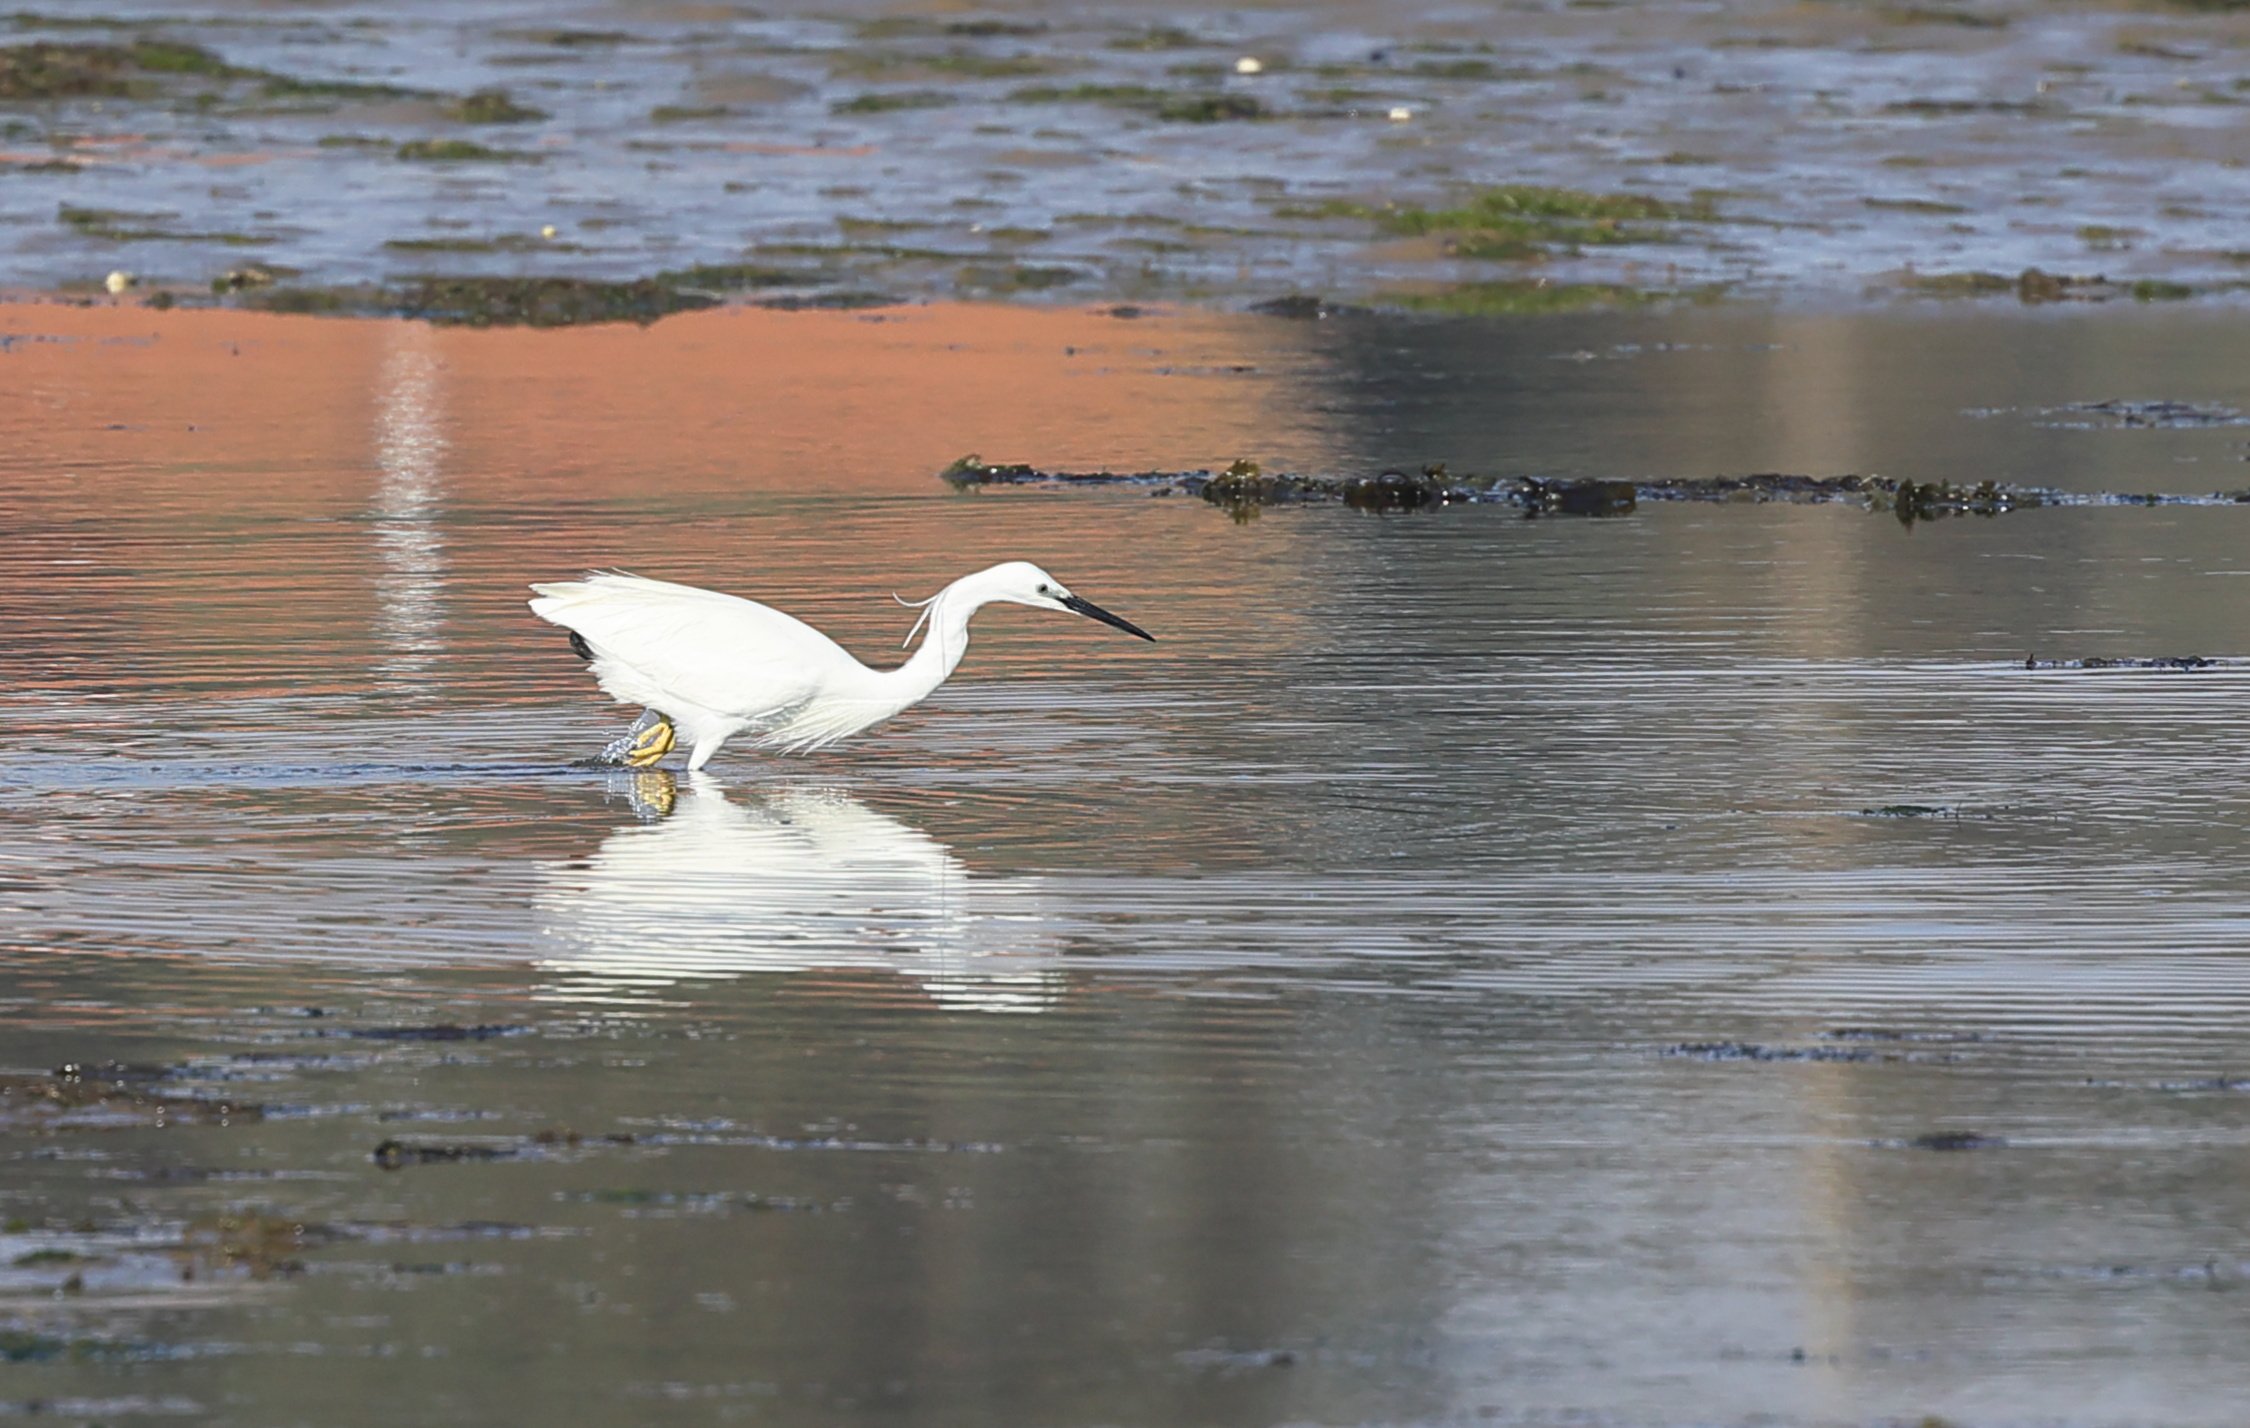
1471 968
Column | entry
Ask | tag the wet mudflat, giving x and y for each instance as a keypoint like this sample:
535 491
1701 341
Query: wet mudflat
1674 968
1467 158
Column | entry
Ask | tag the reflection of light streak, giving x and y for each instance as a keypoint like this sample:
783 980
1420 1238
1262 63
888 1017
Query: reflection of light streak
409 451
791 881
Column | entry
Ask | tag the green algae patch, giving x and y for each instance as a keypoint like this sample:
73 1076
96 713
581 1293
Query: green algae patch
2035 285
2158 290
120 225
951 64
1519 221
491 106
545 302
52 70
460 151
1018 277
464 243
473 301
1167 105
901 27
1529 296
1158 38
741 277
311 302
1961 284
1209 108
890 101
150 68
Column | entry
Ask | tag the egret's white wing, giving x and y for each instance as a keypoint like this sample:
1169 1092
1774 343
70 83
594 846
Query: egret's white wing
661 644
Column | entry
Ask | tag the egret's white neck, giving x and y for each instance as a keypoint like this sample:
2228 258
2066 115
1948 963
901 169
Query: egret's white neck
944 641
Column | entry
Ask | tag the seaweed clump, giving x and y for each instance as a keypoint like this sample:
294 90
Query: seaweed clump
77 1096
492 106
1245 485
1914 501
48 69
545 302
2179 662
1516 221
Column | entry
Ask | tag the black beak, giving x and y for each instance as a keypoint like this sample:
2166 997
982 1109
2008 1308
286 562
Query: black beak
1093 611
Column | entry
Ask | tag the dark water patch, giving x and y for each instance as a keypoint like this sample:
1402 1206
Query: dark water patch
1911 810
1944 1141
444 1031
1214 1359
1305 307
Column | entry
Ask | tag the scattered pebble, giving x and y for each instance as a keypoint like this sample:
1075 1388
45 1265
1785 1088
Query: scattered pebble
119 281
1400 114
1249 64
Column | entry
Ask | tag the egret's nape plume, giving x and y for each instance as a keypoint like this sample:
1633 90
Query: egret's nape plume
718 665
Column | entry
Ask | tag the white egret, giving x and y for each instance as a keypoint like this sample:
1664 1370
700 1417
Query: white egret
717 665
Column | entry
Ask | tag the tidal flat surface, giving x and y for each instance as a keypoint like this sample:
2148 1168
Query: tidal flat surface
1393 153
1672 969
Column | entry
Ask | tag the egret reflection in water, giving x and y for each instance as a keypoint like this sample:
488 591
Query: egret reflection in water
788 881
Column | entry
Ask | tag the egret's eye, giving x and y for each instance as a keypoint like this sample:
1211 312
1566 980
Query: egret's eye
1046 590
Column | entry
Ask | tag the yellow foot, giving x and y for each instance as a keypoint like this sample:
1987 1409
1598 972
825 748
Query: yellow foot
649 739
649 744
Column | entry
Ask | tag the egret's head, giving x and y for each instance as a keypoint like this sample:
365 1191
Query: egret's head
1023 583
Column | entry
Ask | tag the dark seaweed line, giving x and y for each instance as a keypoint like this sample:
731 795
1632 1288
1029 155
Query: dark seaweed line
1245 486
